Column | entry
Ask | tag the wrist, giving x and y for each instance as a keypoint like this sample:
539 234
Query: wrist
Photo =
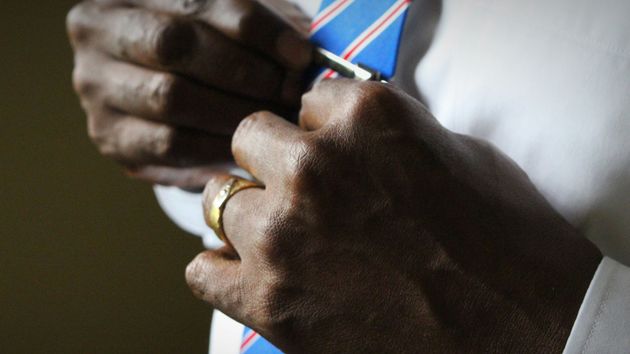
521 291
537 304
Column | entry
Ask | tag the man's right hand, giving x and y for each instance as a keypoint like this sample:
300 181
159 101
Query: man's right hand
166 82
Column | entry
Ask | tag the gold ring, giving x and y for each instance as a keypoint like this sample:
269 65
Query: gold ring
214 216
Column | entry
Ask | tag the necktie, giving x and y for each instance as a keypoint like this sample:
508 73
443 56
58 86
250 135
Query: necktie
363 32
366 32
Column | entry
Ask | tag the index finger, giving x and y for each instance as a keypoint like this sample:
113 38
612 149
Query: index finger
344 101
245 21
323 102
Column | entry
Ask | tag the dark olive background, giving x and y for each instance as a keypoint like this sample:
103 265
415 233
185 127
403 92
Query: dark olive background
88 262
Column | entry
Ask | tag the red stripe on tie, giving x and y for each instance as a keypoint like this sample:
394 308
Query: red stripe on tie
375 29
250 337
326 15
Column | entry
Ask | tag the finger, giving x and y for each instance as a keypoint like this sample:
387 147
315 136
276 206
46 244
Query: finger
344 101
248 22
323 102
181 45
172 99
213 276
267 146
133 141
243 214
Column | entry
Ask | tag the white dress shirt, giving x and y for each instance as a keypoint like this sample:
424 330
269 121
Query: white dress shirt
548 82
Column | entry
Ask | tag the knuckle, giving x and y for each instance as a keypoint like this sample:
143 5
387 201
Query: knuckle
165 94
164 143
101 137
307 157
369 95
76 23
372 105
307 101
246 128
175 40
82 84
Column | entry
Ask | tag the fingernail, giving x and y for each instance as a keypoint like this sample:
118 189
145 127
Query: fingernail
295 50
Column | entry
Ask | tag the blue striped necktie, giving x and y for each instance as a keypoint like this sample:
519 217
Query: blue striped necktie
361 31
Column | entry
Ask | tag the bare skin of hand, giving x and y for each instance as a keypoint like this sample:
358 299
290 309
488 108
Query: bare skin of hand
166 82
378 230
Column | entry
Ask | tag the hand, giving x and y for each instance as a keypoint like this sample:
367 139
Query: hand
166 82
381 231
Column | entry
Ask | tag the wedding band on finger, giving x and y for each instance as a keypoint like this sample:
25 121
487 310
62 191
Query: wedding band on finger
214 215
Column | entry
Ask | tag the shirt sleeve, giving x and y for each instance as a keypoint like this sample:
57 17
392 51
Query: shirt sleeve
186 211
603 322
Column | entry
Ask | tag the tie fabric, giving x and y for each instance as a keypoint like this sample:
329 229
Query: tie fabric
366 32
